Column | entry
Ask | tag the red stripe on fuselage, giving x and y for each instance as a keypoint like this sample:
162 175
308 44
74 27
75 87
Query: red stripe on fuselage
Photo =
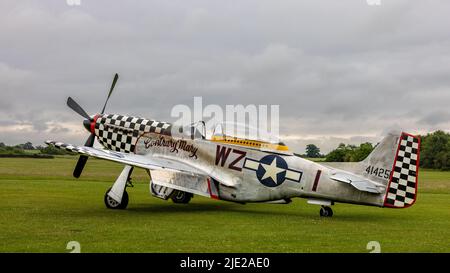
213 196
316 181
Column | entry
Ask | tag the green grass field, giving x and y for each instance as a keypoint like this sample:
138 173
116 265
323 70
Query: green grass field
43 208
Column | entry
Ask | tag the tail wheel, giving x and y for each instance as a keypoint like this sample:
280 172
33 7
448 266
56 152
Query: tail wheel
326 211
181 197
113 204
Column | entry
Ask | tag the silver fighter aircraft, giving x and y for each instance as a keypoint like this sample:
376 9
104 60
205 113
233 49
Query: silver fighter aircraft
182 161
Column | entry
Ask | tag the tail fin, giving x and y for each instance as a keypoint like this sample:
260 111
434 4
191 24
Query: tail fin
394 163
402 189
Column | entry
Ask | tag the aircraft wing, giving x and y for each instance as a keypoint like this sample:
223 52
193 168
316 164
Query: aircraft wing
196 184
152 163
360 183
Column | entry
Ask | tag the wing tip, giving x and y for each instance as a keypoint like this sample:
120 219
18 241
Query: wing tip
49 142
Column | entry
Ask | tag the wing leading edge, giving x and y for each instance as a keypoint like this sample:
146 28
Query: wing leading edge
140 161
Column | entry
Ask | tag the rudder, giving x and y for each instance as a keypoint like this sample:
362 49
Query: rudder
402 188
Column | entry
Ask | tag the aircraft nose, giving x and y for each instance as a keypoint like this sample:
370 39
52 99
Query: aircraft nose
89 124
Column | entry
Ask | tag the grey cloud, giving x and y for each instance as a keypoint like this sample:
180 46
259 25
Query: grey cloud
336 68
58 130
435 118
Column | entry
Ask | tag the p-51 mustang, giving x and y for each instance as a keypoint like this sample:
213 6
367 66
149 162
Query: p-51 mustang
182 162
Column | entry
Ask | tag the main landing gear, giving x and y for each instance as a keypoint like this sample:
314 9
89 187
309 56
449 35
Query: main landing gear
116 197
113 204
181 197
326 211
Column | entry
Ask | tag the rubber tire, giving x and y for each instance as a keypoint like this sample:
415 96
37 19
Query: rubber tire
330 211
109 201
326 212
181 197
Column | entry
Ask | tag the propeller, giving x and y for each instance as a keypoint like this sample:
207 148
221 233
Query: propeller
83 159
88 123
116 77
77 108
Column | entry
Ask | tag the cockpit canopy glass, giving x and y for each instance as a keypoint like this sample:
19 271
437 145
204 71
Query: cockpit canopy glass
193 131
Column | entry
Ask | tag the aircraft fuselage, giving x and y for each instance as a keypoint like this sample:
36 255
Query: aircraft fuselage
257 175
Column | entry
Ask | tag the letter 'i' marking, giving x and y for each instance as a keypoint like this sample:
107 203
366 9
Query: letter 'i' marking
316 181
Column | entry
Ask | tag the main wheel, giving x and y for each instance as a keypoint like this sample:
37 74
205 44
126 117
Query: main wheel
326 212
181 197
113 204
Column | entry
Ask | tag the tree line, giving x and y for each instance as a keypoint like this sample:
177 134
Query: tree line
28 150
434 152
343 153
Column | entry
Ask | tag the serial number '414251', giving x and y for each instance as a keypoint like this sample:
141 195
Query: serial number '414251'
378 172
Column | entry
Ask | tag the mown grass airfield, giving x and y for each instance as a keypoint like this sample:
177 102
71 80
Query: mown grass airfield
44 208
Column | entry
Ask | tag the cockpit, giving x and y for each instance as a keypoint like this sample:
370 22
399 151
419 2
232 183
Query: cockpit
195 130
235 133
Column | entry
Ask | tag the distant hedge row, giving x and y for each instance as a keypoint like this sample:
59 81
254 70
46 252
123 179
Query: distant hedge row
435 151
27 150
349 153
27 156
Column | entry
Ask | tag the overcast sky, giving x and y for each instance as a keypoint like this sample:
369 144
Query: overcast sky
341 71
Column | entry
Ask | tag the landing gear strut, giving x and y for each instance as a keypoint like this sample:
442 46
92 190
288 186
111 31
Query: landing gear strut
326 211
116 197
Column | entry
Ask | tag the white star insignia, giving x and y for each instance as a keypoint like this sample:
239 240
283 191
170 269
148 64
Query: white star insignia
272 170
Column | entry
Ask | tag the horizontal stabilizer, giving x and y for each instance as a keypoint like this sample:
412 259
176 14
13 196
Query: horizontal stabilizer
359 183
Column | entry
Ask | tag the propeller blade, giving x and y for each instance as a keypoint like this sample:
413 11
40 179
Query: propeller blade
77 108
116 77
83 159
90 141
80 166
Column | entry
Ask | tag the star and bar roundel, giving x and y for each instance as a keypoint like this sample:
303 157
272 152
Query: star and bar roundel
272 170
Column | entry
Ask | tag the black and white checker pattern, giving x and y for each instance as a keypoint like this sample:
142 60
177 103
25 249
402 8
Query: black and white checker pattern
120 133
403 185
63 146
